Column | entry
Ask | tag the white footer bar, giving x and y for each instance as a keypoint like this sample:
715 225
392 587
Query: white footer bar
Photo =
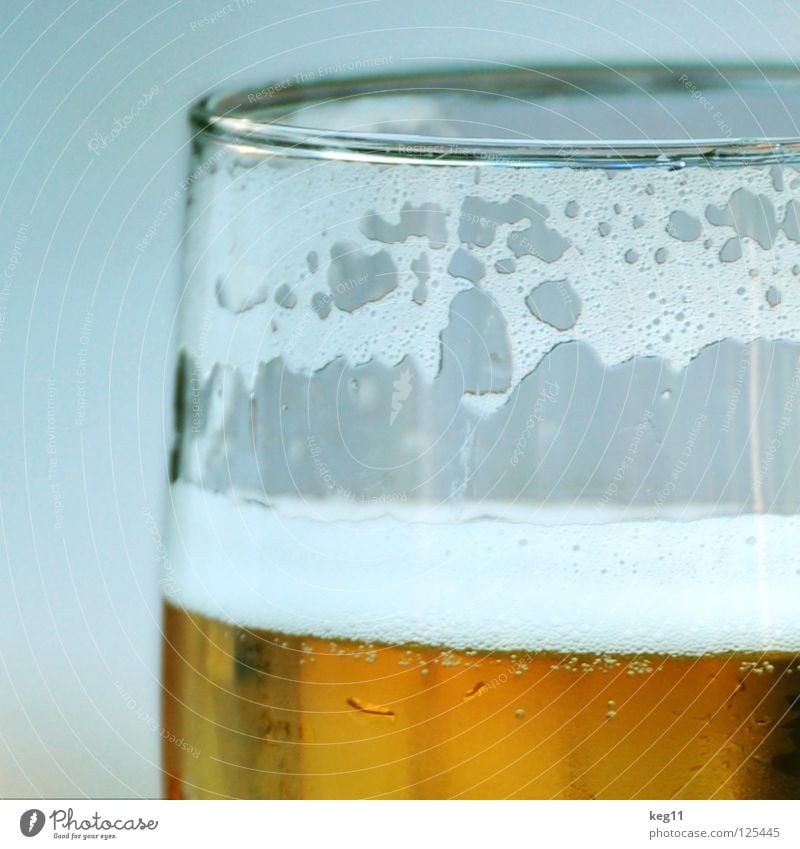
357 825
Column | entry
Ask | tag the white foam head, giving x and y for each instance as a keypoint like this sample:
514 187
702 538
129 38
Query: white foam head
709 585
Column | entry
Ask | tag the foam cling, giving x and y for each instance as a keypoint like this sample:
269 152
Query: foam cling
313 261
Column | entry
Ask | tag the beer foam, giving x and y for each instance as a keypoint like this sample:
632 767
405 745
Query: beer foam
402 575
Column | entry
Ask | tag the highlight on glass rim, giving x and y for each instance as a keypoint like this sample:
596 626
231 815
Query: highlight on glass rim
484 480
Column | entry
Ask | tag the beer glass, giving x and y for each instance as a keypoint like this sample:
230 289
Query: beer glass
485 478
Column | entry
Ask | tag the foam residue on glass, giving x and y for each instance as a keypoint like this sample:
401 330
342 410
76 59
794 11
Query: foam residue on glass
646 262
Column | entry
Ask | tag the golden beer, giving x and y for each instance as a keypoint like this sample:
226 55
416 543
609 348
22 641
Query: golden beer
486 469
269 715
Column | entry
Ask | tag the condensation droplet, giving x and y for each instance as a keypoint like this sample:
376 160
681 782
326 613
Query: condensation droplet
773 296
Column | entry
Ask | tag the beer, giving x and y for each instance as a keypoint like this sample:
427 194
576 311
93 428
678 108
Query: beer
485 480
285 717
545 696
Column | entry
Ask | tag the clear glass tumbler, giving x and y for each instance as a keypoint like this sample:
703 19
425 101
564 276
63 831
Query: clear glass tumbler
485 477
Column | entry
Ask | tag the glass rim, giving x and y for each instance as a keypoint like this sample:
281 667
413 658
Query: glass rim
241 119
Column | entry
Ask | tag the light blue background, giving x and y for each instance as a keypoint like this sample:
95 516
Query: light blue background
79 593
